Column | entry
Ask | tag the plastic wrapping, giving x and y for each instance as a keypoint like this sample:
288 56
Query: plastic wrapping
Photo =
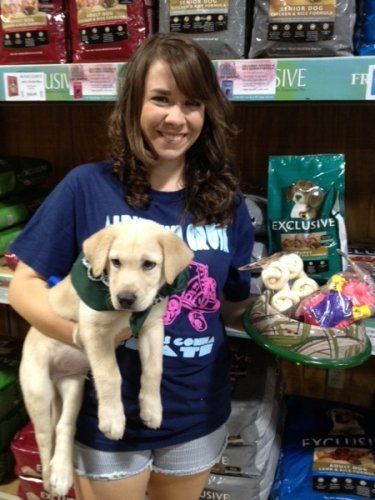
302 28
347 297
365 29
220 26
108 30
32 32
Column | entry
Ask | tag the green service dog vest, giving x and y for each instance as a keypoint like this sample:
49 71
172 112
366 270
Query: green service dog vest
95 293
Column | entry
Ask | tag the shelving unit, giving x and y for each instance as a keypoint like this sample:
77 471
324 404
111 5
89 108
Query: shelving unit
285 106
245 80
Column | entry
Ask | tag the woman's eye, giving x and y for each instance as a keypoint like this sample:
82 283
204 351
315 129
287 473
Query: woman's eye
116 262
148 265
160 99
192 102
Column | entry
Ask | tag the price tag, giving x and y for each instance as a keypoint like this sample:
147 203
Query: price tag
24 87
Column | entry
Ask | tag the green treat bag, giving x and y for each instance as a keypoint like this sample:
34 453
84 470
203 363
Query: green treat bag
17 208
7 236
306 210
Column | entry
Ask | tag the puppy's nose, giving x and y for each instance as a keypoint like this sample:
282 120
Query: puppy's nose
126 299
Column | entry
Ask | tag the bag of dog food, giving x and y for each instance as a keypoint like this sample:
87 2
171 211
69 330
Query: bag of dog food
306 211
220 26
302 28
327 452
32 32
18 173
365 30
108 30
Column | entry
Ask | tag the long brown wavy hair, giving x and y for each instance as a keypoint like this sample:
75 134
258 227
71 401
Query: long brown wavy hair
210 180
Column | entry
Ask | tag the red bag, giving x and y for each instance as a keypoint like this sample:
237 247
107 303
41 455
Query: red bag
31 488
32 32
108 30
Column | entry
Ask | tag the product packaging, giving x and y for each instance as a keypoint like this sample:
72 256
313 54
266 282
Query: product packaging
32 32
302 28
306 211
327 452
108 30
18 174
220 26
365 29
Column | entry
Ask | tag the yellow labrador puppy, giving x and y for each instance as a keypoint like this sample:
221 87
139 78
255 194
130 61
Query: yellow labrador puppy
122 278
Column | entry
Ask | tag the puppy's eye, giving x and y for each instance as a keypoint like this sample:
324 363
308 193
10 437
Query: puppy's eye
147 265
116 262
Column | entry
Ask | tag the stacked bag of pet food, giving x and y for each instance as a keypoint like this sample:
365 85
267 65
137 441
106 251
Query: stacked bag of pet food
20 194
365 29
247 467
28 467
312 305
56 31
12 411
327 452
257 206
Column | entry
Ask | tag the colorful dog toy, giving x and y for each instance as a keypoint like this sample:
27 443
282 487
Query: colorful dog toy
348 299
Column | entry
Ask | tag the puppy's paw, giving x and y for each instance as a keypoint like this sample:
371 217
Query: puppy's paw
112 422
151 411
61 478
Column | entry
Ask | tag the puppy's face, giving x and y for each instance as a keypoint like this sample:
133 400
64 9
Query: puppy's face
135 270
306 193
344 416
139 256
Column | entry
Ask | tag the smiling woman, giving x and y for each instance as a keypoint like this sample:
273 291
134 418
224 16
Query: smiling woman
171 162
171 122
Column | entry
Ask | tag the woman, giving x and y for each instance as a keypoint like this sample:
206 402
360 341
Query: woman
170 162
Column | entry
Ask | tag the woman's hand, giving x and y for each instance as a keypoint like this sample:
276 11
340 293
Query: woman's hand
123 335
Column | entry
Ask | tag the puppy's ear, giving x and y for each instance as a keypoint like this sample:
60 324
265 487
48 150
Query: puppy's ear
177 255
290 192
96 249
316 197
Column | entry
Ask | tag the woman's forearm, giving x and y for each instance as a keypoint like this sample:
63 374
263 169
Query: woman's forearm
28 295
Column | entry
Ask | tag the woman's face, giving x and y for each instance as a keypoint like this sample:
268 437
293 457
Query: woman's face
170 121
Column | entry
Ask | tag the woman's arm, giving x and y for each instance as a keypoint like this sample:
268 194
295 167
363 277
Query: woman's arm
232 312
28 296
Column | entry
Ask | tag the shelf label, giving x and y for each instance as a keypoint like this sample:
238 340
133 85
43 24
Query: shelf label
92 80
370 88
249 79
24 86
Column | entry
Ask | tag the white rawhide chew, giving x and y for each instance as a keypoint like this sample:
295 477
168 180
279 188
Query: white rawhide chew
284 299
275 276
293 263
304 286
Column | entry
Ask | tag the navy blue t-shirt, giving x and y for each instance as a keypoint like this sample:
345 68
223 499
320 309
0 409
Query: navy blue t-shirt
195 383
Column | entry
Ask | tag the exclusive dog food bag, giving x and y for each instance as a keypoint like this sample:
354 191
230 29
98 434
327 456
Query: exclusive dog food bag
220 26
306 210
302 28
31 32
108 30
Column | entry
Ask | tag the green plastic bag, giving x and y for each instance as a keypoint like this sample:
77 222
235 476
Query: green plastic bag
306 210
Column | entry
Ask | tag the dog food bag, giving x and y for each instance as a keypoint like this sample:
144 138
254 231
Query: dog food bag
220 26
7 236
31 488
327 452
302 28
18 174
365 30
32 32
306 211
108 30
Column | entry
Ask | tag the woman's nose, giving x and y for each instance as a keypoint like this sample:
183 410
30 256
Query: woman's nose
175 115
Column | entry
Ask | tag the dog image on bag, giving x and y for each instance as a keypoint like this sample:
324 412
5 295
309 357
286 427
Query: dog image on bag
122 278
307 197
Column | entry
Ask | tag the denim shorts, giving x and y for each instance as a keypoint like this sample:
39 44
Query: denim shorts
178 460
